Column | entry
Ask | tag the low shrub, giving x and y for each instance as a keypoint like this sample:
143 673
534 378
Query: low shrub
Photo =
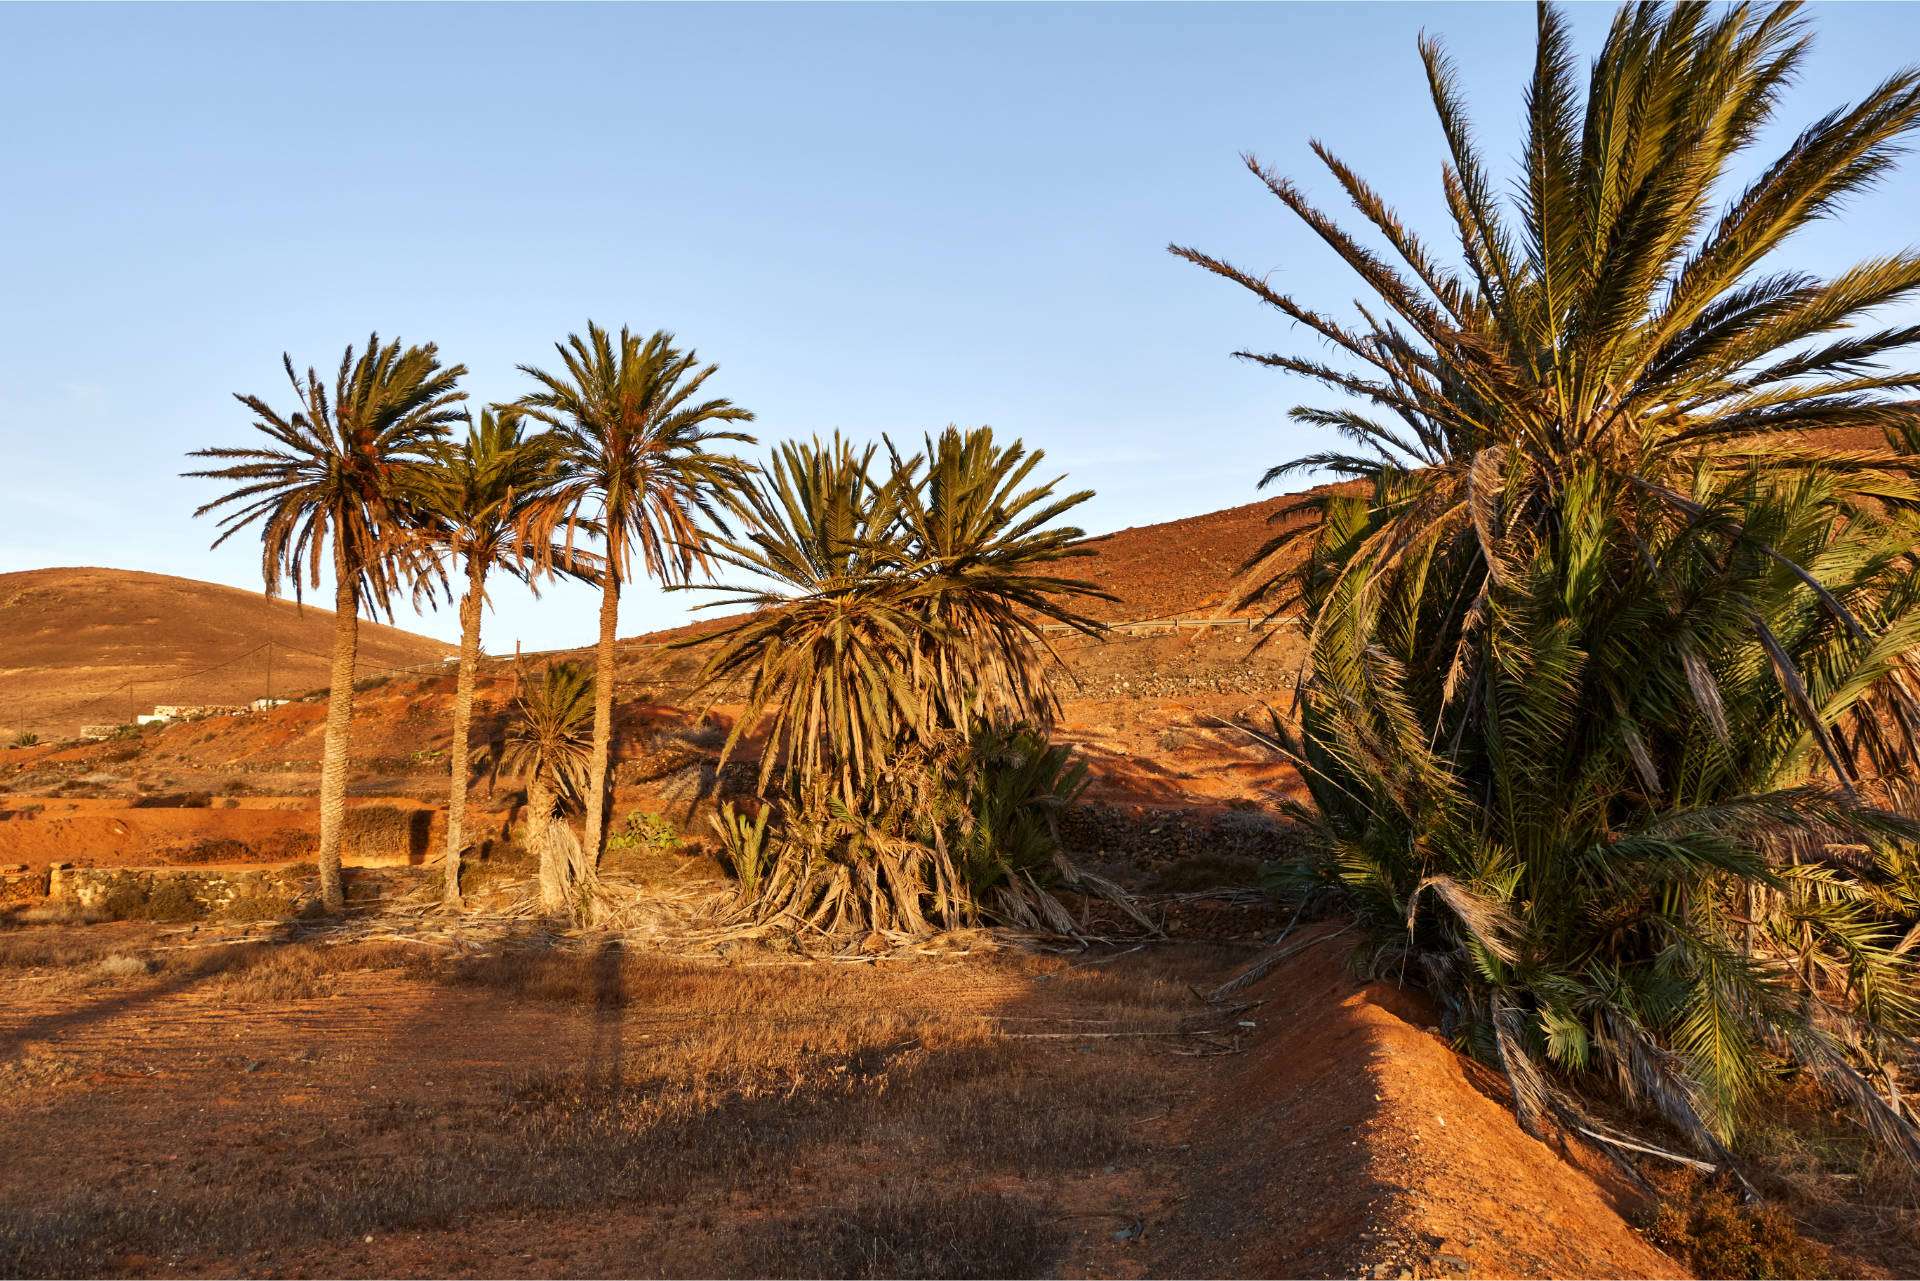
254 905
1705 1225
172 899
645 833
119 966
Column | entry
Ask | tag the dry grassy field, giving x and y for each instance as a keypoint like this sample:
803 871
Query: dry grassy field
383 1109
217 1099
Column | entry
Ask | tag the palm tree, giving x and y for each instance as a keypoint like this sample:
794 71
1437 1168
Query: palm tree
341 476
632 448
975 545
1623 327
548 744
1612 695
826 645
479 501
894 659
896 604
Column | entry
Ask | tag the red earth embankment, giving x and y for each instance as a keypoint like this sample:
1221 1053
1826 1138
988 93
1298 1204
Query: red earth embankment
219 832
1351 1139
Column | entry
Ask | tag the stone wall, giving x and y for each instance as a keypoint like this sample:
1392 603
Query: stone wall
16 886
169 894
1140 833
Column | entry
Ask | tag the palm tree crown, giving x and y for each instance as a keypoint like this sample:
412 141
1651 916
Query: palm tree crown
548 739
894 603
1614 318
632 446
482 499
342 469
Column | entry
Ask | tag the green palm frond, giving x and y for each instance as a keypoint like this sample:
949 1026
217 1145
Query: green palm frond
1612 726
343 472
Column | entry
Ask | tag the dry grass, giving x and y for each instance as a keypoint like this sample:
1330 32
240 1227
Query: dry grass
712 1081
919 1231
118 966
62 912
1705 1225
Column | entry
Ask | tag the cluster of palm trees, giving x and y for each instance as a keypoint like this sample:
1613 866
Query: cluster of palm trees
897 611
1613 727
892 650
368 476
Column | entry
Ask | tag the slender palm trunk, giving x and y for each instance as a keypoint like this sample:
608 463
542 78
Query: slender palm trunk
539 829
598 784
463 722
333 766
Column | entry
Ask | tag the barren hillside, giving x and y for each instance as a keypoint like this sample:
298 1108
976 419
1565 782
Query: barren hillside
88 645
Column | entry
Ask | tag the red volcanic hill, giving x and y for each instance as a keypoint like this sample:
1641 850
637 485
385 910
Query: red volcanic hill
1188 568
94 646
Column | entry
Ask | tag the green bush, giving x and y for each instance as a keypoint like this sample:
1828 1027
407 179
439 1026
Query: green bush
645 833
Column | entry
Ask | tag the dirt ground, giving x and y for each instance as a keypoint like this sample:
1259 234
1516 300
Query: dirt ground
388 1109
211 1100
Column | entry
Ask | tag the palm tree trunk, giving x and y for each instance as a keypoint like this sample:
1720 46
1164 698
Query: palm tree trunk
333 765
598 784
539 830
463 723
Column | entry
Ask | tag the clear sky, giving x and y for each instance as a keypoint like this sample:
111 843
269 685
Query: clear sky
874 218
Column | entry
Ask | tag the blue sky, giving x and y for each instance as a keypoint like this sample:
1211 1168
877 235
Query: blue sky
874 218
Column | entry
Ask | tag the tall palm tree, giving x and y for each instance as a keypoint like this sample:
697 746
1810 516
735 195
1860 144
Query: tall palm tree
548 743
480 502
341 476
1612 696
633 447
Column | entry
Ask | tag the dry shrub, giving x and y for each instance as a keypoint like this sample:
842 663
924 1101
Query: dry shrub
290 974
271 973
53 949
386 831
120 966
171 899
1705 1225
173 800
913 1232
255 905
58 912
216 850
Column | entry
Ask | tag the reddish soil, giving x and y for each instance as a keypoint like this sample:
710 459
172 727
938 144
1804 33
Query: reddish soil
1354 1130
218 832
1341 1136
1192 567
